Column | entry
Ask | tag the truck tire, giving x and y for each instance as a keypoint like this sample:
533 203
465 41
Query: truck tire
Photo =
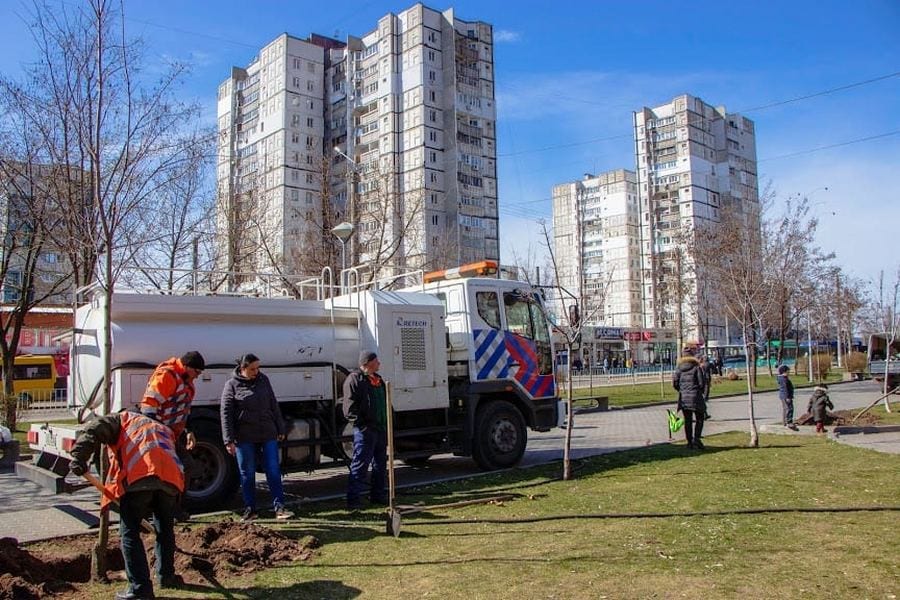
214 477
500 436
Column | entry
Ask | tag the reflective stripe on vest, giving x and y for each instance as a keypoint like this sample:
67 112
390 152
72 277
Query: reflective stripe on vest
145 448
174 410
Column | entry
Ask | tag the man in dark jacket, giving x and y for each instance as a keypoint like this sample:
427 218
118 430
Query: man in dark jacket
690 382
365 406
786 395
145 478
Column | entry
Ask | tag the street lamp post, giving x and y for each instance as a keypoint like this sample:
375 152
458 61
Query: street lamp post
351 199
343 231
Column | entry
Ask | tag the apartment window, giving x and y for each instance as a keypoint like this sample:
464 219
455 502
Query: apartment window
432 136
431 55
295 175
431 75
310 86
309 121
434 219
297 82
433 156
295 138
311 67
295 120
432 116
309 178
298 63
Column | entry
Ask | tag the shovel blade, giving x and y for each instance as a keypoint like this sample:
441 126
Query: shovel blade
393 522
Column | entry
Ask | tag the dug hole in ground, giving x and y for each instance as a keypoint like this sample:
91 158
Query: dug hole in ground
204 553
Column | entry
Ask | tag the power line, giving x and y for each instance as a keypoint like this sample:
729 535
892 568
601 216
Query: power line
569 145
822 93
828 147
746 110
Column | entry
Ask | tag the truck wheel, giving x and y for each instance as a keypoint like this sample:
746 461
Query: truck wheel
500 436
214 475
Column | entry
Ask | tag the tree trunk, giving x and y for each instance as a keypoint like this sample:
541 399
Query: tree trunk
10 402
754 433
570 425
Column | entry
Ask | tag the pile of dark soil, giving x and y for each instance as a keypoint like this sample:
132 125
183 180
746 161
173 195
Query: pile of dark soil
230 548
26 575
840 417
203 553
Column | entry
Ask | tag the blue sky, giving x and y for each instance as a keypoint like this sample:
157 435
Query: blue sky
569 74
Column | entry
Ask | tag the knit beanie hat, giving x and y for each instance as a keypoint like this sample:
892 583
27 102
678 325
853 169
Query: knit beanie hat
194 360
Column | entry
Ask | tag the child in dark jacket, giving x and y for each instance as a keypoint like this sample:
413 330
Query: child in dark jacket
819 405
786 395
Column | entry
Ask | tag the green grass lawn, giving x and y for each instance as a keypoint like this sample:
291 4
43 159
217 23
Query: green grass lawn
628 394
630 525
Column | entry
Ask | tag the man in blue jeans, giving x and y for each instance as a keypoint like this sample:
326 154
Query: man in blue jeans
365 406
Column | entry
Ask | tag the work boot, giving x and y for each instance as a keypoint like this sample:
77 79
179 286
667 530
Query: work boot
282 514
130 595
249 515
174 581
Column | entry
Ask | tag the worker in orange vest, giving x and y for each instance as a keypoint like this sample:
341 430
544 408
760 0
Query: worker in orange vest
168 399
145 477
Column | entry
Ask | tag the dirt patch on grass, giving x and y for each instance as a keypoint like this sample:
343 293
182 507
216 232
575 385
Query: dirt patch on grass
204 553
841 417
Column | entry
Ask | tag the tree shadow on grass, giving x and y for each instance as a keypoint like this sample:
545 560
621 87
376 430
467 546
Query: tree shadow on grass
320 588
332 525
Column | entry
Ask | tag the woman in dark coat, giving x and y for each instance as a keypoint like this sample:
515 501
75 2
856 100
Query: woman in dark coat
690 382
252 421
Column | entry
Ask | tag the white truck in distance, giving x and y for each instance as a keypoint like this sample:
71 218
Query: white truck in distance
468 359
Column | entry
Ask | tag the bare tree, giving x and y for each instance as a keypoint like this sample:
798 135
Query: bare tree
569 326
120 137
795 266
28 277
887 318
736 248
180 240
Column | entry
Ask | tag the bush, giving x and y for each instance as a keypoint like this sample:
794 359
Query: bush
821 364
856 362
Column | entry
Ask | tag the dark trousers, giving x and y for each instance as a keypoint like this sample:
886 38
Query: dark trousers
133 507
787 405
693 424
369 447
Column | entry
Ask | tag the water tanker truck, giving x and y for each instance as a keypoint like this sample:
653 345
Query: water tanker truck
468 359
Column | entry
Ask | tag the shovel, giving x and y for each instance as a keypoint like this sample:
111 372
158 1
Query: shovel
92 479
393 515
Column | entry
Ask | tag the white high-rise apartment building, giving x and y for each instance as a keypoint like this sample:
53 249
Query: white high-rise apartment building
694 162
393 131
596 226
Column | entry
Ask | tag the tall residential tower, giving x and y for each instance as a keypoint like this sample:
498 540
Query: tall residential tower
393 132
695 163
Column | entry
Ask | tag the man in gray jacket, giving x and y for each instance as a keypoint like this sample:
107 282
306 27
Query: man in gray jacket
690 382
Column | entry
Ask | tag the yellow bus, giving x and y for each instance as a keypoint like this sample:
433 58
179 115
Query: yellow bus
34 377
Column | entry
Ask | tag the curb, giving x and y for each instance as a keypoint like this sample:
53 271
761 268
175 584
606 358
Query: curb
852 429
673 401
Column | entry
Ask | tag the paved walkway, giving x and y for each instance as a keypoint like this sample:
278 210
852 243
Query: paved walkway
30 513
